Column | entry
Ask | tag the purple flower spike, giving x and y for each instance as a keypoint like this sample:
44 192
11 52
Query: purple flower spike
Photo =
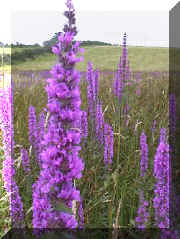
84 125
144 154
161 173
8 171
53 192
108 144
99 122
143 216
25 160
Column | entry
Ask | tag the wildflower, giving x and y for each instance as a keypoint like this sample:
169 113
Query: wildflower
144 154
143 216
108 144
25 160
161 173
54 192
33 133
8 171
84 125
99 122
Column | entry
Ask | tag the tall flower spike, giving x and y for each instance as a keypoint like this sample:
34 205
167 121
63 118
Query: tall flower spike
8 171
124 58
144 154
108 144
99 123
143 215
25 160
84 125
33 133
118 82
53 193
161 173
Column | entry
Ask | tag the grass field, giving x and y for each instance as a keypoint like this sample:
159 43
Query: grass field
106 58
101 197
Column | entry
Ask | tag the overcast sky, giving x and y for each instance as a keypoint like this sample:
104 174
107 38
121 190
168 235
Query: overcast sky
142 28
145 22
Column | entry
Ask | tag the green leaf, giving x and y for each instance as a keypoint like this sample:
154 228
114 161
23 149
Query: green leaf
60 206
29 210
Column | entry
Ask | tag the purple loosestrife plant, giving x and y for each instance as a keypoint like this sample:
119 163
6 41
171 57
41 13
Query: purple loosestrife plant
84 125
172 121
33 133
25 160
99 123
108 145
144 154
92 96
162 135
128 74
54 192
124 58
161 192
143 216
138 92
8 171
93 85
118 82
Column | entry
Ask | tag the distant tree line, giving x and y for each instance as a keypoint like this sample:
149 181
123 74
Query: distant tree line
54 40
33 51
25 54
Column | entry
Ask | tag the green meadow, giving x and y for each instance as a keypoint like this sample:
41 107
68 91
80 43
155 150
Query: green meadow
114 200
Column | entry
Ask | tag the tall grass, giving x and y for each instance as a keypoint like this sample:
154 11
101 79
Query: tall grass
101 198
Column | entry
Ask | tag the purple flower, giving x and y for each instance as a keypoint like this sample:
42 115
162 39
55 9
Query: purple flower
34 135
53 192
108 144
25 160
172 121
84 125
143 216
92 79
138 92
161 173
99 122
118 82
8 171
144 154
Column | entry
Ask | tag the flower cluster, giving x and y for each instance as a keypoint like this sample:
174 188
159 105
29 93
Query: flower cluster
34 134
172 121
108 144
118 82
123 74
8 171
144 154
60 161
161 173
25 160
92 79
84 125
99 123
143 215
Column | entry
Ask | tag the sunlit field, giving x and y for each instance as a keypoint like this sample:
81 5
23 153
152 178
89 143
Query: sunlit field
121 123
